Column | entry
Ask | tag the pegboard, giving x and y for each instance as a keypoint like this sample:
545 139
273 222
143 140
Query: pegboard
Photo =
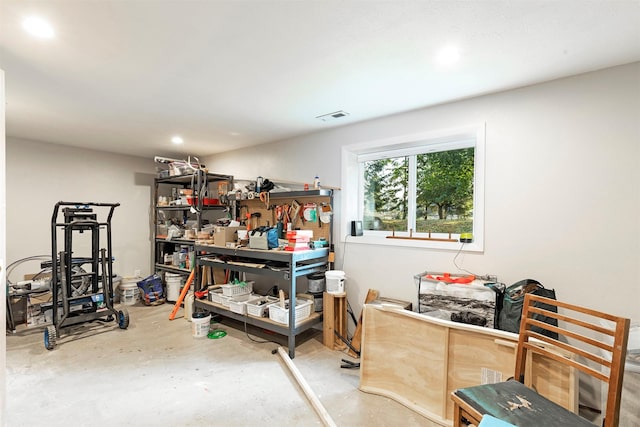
317 204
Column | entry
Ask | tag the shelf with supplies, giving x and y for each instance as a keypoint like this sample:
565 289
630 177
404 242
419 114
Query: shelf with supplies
182 205
284 265
316 192
296 210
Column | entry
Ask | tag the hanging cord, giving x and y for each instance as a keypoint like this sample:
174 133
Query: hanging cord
479 276
349 309
14 264
344 251
256 340
456 264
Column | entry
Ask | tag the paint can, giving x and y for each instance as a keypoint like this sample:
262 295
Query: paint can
128 290
200 323
316 282
317 301
335 281
116 284
173 283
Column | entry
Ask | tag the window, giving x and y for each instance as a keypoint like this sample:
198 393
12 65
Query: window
418 190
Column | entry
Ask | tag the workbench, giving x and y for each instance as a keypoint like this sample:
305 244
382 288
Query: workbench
294 265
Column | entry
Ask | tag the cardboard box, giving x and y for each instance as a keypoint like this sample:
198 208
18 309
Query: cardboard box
222 235
40 298
36 314
19 309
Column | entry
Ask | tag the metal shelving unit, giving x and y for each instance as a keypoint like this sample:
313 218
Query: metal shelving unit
199 180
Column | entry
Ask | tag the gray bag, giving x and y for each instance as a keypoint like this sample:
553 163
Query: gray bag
263 238
513 301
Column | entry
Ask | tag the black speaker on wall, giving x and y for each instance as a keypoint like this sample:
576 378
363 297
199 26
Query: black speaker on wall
356 228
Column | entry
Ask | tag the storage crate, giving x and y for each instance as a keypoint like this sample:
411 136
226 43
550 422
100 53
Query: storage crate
239 304
224 301
258 307
281 315
217 297
232 290
439 298
214 295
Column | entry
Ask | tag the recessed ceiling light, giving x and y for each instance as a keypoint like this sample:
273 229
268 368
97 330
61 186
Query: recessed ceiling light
177 140
448 55
38 27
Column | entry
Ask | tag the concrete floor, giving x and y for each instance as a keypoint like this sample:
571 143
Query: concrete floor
156 373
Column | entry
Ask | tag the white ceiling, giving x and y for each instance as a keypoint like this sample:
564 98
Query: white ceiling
125 76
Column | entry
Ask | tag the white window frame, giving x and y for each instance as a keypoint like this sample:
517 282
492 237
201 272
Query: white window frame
447 139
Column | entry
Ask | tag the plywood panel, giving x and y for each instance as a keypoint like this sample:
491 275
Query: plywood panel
419 360
552 380
475 357
405 363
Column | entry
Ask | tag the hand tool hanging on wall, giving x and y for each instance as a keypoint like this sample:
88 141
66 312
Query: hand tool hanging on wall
295 206
286 219
279 225
264 198
256 215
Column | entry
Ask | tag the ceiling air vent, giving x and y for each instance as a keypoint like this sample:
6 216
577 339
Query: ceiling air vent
333 116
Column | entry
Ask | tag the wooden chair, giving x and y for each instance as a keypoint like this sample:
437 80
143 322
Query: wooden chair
520 405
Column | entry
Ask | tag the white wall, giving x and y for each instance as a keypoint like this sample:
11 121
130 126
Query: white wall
562 189
3 258
39 175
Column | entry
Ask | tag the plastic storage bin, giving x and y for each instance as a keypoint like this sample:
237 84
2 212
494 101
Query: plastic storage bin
232 290
281 315
259 307
239 304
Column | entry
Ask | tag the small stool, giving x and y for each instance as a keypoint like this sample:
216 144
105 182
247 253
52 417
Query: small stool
334 313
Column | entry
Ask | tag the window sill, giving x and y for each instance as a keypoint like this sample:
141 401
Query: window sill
409 243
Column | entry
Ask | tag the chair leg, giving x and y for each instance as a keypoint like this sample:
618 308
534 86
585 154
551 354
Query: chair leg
457 417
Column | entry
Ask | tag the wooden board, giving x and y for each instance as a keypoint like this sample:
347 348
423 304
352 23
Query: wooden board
334 320
419 360
356 341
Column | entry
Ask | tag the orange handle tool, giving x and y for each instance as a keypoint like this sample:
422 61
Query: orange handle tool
182 294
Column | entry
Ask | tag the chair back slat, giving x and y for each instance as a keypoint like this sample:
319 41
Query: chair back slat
587 347
578 337
578 322
535 348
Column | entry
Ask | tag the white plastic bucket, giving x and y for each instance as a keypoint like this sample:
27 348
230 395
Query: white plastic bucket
128 290
173 282
335 281
116 285
200 325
